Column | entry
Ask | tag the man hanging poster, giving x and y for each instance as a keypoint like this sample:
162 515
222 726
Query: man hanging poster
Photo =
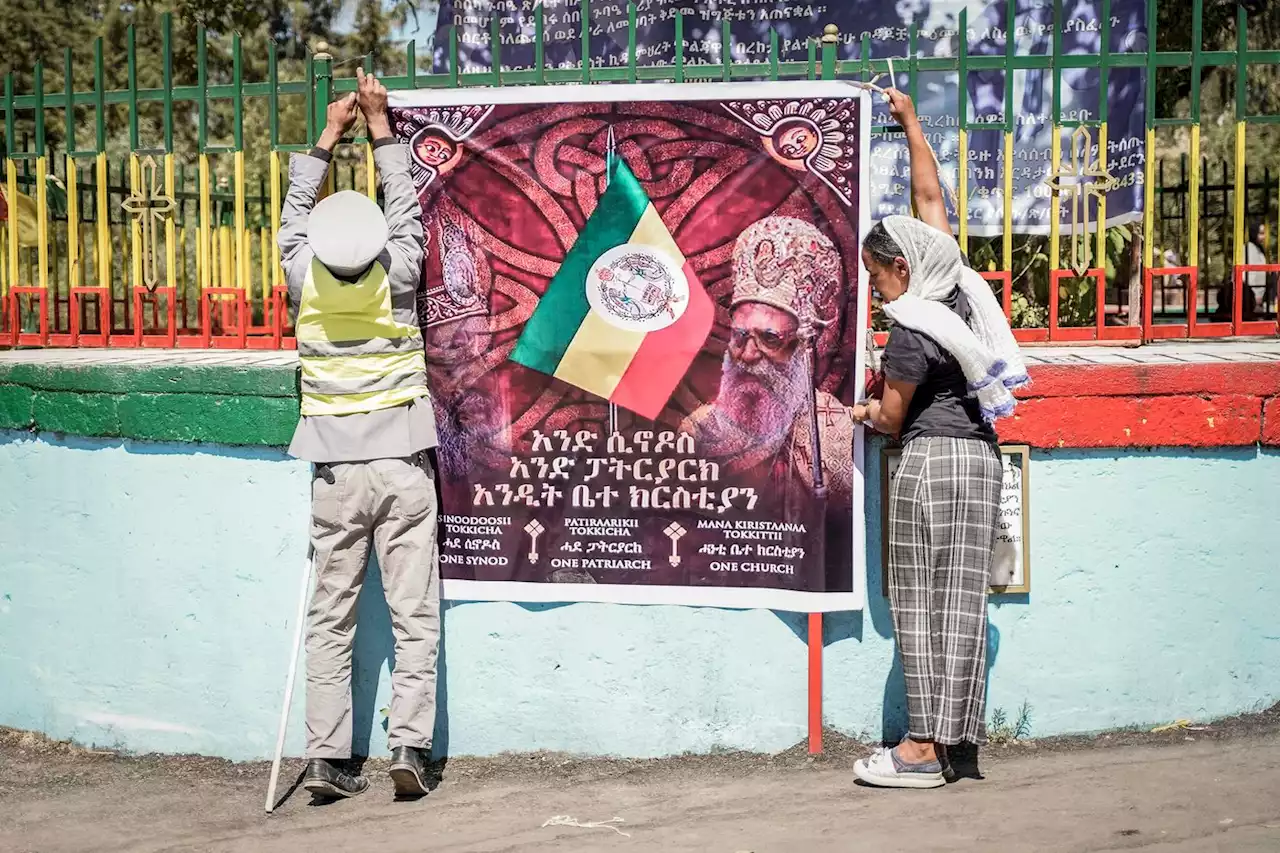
643 325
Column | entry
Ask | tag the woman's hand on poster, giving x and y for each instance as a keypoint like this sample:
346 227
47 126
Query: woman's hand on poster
901 109
875 385
862 413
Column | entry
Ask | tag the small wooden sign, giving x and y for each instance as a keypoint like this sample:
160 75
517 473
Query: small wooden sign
1011 566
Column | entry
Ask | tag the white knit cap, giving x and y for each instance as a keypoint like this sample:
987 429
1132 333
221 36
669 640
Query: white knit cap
347 231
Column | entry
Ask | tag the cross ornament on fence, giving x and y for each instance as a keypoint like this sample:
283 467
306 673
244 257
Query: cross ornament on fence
1083 179
149 207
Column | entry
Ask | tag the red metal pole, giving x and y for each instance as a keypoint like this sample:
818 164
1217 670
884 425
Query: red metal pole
815 683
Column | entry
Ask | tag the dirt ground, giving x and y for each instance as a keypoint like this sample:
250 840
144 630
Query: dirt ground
1186 790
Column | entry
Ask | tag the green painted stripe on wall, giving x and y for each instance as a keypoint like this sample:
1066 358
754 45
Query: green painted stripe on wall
233 405
185 378
15 407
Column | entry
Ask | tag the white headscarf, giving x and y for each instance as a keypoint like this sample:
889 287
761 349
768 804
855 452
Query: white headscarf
985 348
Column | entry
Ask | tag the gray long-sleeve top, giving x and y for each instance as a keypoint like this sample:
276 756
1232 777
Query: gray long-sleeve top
389 433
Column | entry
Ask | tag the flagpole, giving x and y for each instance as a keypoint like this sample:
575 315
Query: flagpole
810 335
610 151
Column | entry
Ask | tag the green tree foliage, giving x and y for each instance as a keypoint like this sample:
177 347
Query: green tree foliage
36 30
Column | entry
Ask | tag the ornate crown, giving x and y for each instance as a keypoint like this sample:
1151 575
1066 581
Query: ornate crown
789 264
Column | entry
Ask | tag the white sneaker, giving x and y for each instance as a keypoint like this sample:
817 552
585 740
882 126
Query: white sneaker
884 769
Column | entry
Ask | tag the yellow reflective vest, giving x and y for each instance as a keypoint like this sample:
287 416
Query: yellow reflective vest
355 356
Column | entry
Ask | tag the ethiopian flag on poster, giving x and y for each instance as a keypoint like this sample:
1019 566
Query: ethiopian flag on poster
625 315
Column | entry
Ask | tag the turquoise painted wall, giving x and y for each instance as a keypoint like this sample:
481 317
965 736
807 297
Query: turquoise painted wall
146 592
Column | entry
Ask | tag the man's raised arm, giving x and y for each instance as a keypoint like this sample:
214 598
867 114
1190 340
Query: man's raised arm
306 173
399 198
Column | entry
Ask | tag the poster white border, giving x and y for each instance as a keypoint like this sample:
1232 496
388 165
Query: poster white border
601 93
693 596
723 597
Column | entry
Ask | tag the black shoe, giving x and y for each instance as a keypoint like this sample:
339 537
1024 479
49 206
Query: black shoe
961 762
948 772
409 771
330 778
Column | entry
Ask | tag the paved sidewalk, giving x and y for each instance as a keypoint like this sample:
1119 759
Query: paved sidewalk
1188 797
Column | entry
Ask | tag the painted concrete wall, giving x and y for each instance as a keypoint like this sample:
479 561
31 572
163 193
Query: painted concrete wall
146 592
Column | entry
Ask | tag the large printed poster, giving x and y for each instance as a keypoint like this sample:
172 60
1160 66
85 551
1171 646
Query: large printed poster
643 322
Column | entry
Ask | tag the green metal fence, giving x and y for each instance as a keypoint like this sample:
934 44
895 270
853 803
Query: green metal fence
177 212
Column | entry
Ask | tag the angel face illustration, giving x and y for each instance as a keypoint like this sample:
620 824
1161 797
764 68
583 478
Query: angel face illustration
433 149
796 139
436 137
818 136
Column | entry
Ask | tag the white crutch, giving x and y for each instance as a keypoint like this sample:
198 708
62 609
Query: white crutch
288 685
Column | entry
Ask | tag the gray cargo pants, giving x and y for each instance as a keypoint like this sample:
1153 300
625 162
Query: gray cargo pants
393 503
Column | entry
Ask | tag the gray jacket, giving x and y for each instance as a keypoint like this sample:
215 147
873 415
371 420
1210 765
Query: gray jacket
389 433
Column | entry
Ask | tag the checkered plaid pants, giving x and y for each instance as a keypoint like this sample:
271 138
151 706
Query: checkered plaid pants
942 514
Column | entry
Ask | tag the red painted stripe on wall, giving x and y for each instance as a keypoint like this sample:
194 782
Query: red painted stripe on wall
1271 423
1261 379
1224 420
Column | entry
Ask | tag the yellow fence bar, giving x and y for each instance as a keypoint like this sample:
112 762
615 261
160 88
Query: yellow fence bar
225 258
73 225
1240 192
241 235
84 263
183 242
1193 205
1055 204
11 182
42 221
171 229
1149 202
963 179
1007 253
370 172
135 227
102 242
214 255
264 265
276 201
1100 255
204 248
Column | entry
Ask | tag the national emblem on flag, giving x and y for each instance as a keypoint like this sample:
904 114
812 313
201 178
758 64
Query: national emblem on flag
625 315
